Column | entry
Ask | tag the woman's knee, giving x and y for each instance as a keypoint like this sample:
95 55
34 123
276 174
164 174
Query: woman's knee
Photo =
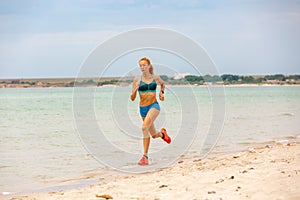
145 128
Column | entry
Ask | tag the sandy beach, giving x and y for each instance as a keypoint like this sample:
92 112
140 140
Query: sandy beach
268 172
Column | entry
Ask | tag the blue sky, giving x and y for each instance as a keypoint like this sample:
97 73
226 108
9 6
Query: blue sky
53 38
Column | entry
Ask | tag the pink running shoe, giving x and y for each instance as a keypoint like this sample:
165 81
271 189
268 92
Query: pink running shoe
144 161
165 136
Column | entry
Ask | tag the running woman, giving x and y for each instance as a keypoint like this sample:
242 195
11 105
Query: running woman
149 108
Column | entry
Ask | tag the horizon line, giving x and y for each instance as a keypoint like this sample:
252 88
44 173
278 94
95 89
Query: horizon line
72 77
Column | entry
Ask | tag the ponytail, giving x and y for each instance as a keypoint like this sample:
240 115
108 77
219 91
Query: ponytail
151 70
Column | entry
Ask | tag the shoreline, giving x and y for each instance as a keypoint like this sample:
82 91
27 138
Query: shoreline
253 161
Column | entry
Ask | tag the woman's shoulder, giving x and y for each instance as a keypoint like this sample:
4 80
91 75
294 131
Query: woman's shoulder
136 79
157 77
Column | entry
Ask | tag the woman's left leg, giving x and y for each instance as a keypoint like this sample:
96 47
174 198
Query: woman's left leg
154 133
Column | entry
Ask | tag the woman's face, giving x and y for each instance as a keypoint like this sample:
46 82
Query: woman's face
144 66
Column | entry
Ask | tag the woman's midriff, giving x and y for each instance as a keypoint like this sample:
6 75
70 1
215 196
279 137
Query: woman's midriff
147 98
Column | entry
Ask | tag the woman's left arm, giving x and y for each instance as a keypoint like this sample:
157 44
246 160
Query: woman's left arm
162 87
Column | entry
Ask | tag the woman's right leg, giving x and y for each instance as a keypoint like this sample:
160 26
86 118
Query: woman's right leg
146 140
148 122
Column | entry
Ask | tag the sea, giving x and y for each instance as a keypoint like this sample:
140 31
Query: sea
51 139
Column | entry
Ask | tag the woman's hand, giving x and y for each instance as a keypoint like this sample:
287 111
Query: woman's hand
135 87
133 94
161 96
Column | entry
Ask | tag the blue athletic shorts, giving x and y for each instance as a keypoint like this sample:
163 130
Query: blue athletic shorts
145 109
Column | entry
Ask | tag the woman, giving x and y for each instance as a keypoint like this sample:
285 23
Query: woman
149 107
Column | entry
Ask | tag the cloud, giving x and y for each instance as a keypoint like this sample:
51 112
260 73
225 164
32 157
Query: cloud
47 51
248 37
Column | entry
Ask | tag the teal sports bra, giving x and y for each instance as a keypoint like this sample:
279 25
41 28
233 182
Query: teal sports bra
144 87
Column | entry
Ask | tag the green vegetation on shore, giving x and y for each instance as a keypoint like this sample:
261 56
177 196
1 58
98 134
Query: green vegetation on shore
225 79
229 79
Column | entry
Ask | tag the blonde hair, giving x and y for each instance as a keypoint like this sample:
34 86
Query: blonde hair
151 69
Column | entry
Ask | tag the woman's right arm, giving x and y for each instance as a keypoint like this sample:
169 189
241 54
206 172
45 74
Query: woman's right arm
135 87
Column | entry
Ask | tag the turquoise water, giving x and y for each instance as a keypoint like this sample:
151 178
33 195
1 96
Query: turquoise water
40 147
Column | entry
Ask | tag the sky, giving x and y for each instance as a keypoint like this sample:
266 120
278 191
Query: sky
53 38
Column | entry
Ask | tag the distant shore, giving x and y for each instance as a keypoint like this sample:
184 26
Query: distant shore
118 81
